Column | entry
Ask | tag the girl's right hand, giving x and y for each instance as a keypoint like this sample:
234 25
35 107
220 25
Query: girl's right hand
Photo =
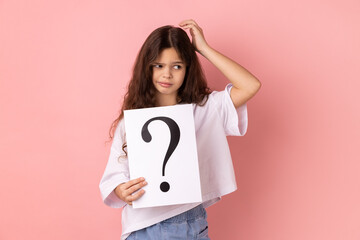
125 191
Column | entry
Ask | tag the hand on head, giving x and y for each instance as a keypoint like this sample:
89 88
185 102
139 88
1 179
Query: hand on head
198 39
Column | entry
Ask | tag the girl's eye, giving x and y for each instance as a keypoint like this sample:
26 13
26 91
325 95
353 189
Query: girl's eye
177 66
157 65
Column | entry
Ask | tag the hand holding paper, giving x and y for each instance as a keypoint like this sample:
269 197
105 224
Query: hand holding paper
127 191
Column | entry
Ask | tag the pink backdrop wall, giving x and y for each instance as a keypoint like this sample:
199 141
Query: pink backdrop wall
64 66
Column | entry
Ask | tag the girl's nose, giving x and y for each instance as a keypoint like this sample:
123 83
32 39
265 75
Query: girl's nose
167 72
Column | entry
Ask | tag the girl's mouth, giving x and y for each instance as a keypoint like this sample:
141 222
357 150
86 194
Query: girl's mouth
165 85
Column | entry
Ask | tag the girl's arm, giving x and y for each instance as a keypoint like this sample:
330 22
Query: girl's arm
245 85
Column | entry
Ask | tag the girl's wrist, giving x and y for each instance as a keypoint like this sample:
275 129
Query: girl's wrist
206 51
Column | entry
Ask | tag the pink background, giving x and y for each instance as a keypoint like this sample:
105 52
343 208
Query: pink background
64 66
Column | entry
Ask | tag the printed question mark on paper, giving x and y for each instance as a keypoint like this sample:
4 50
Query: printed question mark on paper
174 140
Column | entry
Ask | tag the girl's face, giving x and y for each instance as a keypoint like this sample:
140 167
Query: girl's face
168 75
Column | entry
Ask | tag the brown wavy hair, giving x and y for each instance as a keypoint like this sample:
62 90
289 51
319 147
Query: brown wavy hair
141 91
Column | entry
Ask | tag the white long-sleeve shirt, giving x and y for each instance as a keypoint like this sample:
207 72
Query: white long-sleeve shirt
214 121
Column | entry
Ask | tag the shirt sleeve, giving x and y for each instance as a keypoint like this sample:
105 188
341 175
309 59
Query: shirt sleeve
235 120
116 171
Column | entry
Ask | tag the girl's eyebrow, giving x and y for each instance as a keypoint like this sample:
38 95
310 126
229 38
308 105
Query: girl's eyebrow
176 62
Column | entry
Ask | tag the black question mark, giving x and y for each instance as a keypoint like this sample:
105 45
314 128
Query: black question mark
174 140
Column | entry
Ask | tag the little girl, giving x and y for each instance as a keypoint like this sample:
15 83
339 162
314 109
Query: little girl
167 72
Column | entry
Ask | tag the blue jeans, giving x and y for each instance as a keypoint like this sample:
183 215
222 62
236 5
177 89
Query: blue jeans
189 225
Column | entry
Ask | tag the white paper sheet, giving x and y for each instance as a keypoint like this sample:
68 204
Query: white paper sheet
146 159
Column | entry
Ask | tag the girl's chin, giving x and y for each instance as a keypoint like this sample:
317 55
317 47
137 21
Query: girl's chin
166 92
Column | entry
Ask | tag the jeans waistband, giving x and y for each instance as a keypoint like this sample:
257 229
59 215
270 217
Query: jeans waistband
194 213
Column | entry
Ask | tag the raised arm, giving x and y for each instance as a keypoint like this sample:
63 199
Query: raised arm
245 85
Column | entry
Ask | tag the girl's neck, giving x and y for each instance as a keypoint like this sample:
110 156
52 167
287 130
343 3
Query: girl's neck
165 100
